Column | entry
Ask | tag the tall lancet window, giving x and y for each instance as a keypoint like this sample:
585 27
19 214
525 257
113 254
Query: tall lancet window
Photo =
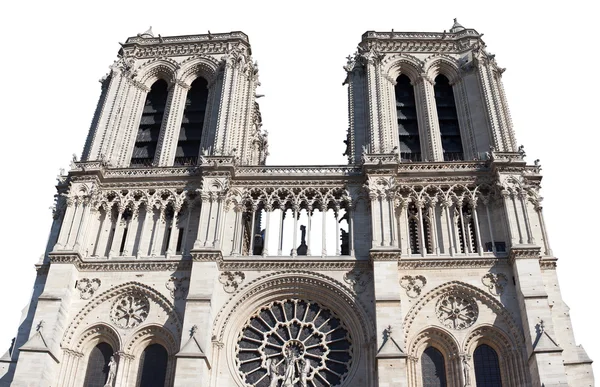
432 368
448 119
153 366
487 369
149 129
408 128
97 367
188 146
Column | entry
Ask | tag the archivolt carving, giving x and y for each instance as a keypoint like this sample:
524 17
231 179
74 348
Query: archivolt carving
150 334
114 292
442 64
198 66
397 64
103 331
433 335
466 290
151 71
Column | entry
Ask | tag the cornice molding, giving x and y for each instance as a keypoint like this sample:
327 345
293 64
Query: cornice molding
450 263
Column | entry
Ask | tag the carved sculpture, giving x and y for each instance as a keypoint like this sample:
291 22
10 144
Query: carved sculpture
112 372
130 310
495 282
413 285
87 287
358 279
290 368
231 280
272 372
466 371
177 287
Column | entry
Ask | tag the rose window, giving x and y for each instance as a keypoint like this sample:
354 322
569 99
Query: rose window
130 310
294 343
456 311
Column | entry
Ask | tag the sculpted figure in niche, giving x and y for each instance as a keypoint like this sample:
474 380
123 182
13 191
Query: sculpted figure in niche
290 368
112 372
466 371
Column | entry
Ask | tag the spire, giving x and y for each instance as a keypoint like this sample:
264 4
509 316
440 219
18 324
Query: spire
456 27
147 34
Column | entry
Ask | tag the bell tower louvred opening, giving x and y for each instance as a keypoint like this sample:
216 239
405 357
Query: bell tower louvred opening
150 123
408 127
190 135
448 119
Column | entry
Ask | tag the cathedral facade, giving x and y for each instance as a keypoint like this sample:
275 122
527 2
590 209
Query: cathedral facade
177 257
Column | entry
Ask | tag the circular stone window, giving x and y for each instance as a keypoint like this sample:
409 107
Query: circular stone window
457 311
130 310
294 343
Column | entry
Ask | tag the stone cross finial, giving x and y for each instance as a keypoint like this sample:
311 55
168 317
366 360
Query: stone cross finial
193 330
40 326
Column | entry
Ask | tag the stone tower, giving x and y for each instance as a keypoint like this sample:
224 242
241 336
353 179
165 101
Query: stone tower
178 258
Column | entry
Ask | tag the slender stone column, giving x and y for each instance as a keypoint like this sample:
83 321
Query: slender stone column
189 210
431 149
373 196
336 212
205 209
517 220
538 209
100 248
486 202
523 199
172 244
167 143
459 205
433 226
235 250
446 206
252 232
422 245
324 230
390 198
281 218
82 231
158 232
216 243
296 209
309 212
476 223
116 243
149 214
131 231
268 209
350 210
66 225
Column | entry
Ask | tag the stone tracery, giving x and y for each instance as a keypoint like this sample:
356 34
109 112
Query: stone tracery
296 342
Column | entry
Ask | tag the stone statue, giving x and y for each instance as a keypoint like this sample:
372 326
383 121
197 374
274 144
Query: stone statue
112 372
304 370
290 369
272 372
466 371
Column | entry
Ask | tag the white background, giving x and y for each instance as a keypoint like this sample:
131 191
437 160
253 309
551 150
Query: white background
53 53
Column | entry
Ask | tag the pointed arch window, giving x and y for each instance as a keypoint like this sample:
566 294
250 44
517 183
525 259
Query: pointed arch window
150 123
97 367
153 366
408 128
448 119
487 368
433 368
190 134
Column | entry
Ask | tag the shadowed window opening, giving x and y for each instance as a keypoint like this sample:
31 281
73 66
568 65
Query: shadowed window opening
487 369
408 128
190 134
448 119
433 368
153 366
149 129
97 367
